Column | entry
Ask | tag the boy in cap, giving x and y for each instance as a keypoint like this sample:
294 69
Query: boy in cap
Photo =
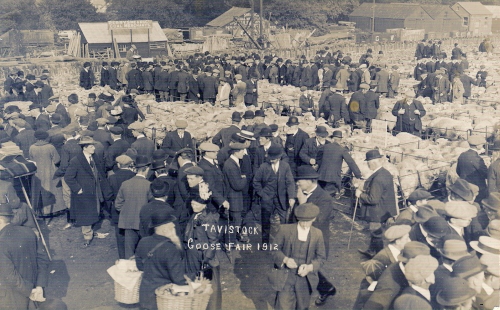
177 139
125 172
471 167
132 195
296 273
419 272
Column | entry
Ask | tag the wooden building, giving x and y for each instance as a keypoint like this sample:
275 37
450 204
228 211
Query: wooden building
495 23
227 24
475 17
444 19
103 39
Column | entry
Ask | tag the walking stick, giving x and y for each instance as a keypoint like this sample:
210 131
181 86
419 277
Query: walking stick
34 218
352 224
228 251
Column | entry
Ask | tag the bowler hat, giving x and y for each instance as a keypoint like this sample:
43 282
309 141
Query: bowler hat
419 194
160 218
486 245
321 131
56 118
412 249
372 154
159 154
274 127
85 140
467 267
194 170
453 249
142 161
454 292
306 172
492 202
259 113
437 227
337 134
274 152
292 121
306 212
462 189
116 130
41 134
159 188
158 164
266 132
248 114
236 117
6 210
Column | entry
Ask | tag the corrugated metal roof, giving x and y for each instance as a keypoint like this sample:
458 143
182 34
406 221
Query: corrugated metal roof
99 33
388 10
474 8
494 9
228 16
435 10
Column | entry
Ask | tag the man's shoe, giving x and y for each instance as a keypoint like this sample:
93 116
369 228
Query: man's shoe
321 300
86 244
369 253
66 227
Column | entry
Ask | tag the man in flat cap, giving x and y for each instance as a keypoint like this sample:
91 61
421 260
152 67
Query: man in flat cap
298 256
177 139
117 148
37 119
213 172
101 134
471 167
416 199
489 298
379 198
124 172
419 272
223 137
132 195
459 215
357 107
143 145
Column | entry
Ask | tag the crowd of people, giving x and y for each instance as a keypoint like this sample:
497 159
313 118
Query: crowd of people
165 201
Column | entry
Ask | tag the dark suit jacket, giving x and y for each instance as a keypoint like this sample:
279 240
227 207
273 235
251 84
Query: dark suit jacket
105 75
293 154
471 168
146 215
24 266
223 137
335 105
409 117
390 284
104 137
411 299
115 181
65 119
286 183
144 146
325 204
87 79
357 107
173 143
331 163
42 122
114 150
372 104
235 183
213 176
134 79
311 150
24 140
379 196
287 238
113 78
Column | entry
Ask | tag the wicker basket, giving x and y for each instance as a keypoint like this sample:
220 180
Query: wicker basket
191 301
124 296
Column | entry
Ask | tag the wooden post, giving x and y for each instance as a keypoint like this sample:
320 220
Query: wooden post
149 46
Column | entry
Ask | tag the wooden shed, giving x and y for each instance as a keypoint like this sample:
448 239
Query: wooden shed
244 17
389 16
475 17
444 19
99 38
495 23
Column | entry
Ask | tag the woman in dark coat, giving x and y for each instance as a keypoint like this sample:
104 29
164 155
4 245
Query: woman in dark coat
88 188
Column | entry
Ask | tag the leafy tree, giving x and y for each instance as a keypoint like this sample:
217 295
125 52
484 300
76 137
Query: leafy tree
18 14
66 14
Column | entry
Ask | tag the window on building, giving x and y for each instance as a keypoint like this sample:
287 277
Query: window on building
157 46
123 47
466 21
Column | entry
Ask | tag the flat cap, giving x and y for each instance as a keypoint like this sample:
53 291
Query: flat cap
396 231
81 112
124 160
137 126
420 268
101 121
19 122
181 124
237 146
476 140
238 77
453 249
467 267
51 108
419 194
460 210
116 130
364 86
306 212
194 170
412 249
209 147
437 226
41 134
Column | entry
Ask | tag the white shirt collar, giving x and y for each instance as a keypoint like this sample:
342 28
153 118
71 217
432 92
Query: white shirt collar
459 230
450 269
423 230
276 165
267 146
186 162
88 157
320 143
303 232
423 291
140 136
140 175
236 159
488 289
160 199
308 194
210 160
395 252
403 270
414 209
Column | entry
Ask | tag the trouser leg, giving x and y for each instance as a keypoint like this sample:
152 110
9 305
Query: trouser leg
376 233
215 301
66 192
286 299
266 212
131 240
302 293
120 242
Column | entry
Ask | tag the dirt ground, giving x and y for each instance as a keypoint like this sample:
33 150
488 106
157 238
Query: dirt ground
79 276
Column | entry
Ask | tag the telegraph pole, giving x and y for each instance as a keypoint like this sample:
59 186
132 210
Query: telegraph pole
373 17
261 14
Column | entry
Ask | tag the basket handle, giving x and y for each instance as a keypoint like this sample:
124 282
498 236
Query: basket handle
190 284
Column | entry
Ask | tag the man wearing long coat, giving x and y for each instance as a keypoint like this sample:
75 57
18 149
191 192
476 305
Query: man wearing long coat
87 186
409 113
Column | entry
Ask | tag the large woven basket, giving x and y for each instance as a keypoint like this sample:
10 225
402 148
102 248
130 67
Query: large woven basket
187 302
126 296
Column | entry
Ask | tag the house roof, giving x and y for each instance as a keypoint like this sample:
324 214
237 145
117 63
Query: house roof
494 9
99 33
228 16
474 8
435 10
388 10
